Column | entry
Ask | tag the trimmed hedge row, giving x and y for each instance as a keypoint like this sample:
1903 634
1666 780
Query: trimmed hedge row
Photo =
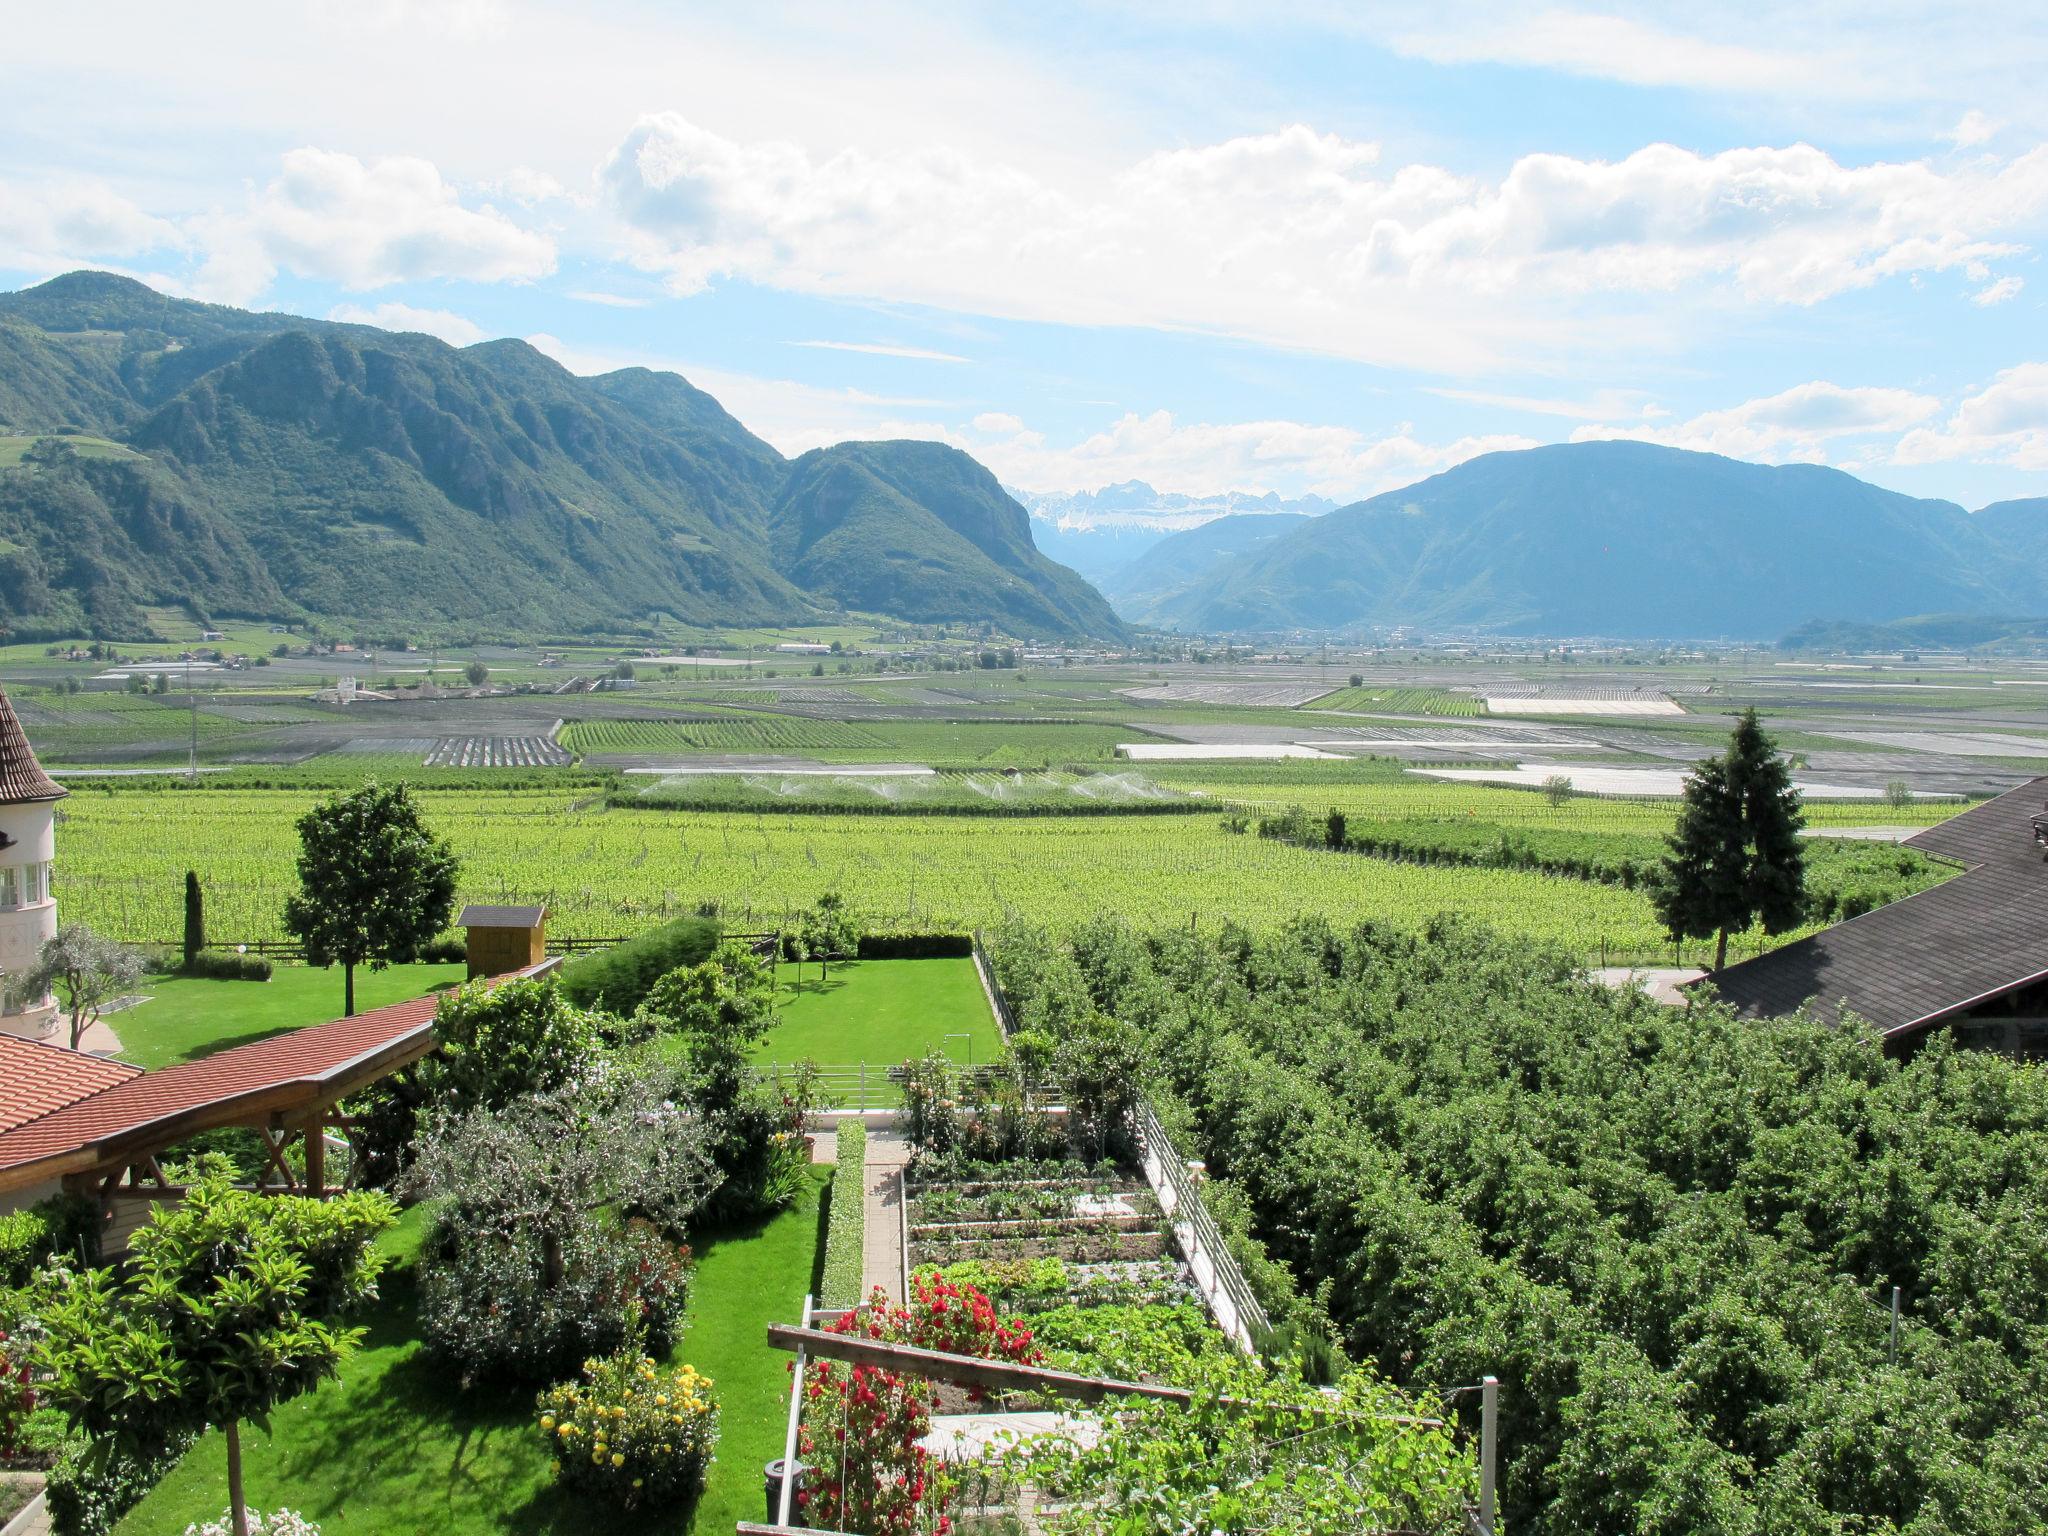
225 965
619 978
914 946
846 1222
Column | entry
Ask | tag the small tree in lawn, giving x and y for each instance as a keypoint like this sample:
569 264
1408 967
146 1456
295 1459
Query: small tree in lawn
374 883
195 917
87 970
1735 857
226 1308
830 929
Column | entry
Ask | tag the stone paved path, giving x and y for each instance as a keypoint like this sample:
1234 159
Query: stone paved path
883 1266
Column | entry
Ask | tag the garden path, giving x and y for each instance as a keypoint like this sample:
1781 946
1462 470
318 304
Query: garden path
882 1255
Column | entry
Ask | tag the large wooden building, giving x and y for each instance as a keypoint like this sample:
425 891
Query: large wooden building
1969 955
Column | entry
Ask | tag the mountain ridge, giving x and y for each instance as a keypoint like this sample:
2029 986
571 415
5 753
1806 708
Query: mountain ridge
330 470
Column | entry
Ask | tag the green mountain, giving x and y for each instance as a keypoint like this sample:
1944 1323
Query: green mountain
2020 525
274 466
1933 631
1145 590
1619 539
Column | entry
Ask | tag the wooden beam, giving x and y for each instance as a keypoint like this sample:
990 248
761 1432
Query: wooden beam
1002 1376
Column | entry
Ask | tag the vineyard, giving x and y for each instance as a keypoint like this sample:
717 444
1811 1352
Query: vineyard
1400 701
936 742
603 870
1021 794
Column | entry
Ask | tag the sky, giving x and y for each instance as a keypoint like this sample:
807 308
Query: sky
1287 246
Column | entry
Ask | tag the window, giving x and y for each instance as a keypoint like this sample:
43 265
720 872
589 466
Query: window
35 884
10 887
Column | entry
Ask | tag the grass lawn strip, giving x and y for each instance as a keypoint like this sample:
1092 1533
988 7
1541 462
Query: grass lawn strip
394 1448
881 1012
189 1017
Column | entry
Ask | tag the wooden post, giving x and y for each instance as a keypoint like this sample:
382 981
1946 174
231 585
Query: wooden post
1489 1448
316 1156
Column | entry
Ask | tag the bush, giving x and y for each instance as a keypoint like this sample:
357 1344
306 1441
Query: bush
914 946
618 979
631 1431
285 1522
846 1225
17 1393
91 1487
225 965
63 1224
445 949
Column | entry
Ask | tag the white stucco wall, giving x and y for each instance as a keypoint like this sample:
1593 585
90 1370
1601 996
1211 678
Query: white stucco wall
23 930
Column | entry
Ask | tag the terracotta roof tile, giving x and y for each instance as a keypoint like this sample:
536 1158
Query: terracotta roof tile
21 777
36 1079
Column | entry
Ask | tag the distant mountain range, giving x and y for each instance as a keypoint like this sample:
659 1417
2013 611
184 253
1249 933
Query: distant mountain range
1101 532
1621 539
277 467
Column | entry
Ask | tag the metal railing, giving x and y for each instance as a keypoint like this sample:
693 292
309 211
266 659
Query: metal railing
1222 1284
1006 1020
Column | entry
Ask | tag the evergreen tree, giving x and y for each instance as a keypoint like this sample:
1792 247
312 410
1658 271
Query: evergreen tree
195 917
374 883
1735 857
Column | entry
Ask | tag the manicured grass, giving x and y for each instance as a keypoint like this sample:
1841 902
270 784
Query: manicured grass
396 1448
187 1017
881 1011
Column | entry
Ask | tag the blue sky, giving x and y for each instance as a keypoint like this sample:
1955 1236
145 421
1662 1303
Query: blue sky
1294 247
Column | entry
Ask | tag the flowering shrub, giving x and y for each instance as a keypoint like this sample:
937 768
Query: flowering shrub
284 1523
862 1424
17 1394
631 1430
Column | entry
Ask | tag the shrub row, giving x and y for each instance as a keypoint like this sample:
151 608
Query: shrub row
914 946
225 965
846 1223
620 977
63 1224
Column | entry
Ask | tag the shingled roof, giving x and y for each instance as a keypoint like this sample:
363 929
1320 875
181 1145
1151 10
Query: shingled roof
1910 965
21 777
36 1078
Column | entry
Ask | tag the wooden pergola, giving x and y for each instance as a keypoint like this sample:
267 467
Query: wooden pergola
287 1089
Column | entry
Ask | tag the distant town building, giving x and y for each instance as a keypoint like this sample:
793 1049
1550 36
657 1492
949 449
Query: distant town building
28 851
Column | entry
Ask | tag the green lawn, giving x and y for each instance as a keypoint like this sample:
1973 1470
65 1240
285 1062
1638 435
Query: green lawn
394 1448
881 1011
187 1017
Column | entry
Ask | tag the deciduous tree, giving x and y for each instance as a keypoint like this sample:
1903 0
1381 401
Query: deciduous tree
90 971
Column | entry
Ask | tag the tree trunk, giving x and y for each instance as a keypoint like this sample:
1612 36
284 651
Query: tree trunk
237 1507
553 1270
348 989
1721 949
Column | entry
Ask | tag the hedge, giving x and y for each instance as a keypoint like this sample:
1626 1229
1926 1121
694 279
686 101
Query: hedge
914 946
225 965
619 978
846 1222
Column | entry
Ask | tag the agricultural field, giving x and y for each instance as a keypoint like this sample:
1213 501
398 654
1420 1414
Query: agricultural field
604 870
1000 743
1020 794
1400 701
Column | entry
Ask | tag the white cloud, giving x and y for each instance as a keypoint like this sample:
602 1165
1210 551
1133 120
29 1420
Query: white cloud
1304 240
449 326
610 300
1794 424
923 354
1601 403
2007 287
363 225
48 226
1208 458
1616 48
1974 128
2006 422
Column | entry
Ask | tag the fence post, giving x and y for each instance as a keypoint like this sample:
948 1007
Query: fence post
1489 1447
796 1399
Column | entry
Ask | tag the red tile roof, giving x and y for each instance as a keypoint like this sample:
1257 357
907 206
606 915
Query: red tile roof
21 777
36 1078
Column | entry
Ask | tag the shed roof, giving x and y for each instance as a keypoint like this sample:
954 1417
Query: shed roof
22 779
36 1078
284 1075
1909 965
501 917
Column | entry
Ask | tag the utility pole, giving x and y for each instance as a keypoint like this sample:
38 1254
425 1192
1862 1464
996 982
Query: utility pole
192 702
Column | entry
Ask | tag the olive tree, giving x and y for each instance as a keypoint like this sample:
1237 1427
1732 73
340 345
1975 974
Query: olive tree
226 1308
89 970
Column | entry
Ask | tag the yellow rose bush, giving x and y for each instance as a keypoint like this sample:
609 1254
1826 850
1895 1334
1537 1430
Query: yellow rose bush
636 1432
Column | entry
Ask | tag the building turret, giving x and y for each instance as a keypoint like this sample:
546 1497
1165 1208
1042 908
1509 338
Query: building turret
28 847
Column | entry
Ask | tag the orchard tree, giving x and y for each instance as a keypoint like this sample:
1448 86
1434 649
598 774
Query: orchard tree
1735 857
226 1307
374 883
89 971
